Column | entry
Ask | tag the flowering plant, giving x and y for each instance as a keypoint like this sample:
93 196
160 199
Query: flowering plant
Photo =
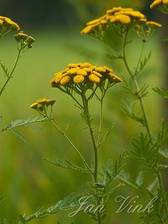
23 41
83 83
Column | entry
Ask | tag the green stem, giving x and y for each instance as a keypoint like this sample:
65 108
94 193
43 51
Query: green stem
100 124
71 143
161 186
133 77
11 73
96 160
88 121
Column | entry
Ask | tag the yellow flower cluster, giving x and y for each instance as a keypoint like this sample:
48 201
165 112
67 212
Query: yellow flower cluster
159 3
118 15
84 73
42 104
7 23
25 39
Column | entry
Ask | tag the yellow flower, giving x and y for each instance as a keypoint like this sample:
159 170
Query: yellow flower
83 74
116 15
153 24
156 3
1 22
123 19
100 69
114 78
78 79
25 39
165 2
7 22
97 74
72 71
94 78
135 14
65 80
93 22
41 104
89 29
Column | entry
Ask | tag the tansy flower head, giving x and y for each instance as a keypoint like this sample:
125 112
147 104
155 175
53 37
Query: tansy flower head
24 39
153 24
162 4
8 25
116 16
84 76
42 104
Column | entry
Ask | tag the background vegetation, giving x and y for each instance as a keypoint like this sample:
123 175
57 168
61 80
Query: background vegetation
27 181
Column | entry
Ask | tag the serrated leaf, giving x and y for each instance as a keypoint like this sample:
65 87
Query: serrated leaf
5 70
23 122
164 153
162 92
19 136
153 185
69 202
65 164
144 62
140 179
128 110
145 151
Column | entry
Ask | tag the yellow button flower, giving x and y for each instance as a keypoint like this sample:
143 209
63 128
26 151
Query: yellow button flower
41 104
78 79
83 74
66 79
94 78
156 3
153 24
115 16
124 19
10 24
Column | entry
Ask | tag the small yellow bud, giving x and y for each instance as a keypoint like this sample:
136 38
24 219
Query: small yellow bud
78 79
94 78
65 80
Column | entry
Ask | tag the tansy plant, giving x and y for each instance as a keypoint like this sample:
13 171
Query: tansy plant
83 83
23 40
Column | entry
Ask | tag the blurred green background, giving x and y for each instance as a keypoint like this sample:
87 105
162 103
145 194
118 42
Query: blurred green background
27 181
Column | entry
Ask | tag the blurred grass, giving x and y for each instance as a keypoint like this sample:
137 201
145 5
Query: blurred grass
28 182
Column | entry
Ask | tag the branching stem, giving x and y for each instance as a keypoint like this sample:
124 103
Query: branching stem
134 79
96 156
12 72
53 122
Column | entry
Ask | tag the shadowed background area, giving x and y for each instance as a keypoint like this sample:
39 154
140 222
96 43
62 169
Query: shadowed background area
27 181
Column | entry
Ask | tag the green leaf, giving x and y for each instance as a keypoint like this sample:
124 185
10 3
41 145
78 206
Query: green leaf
69 202
5 70
153 185
112 169
128 110
140 179
145 151
162 92
164 153
24 122
144 62
65 164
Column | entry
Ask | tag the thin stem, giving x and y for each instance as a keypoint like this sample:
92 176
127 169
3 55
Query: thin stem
96 160
161 186
12 71
88 121
133 77
72 144
100 124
